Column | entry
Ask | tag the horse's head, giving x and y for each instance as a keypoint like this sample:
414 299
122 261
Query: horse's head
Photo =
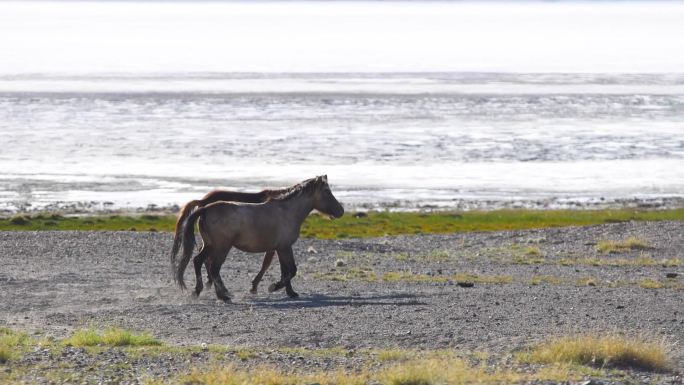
324 200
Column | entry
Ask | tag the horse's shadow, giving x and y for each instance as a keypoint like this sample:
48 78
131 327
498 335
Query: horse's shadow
321 300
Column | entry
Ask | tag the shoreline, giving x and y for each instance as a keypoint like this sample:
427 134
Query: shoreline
359 224
11 208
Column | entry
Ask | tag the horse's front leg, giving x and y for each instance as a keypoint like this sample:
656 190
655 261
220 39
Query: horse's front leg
268 258
283 277
284 274
286 258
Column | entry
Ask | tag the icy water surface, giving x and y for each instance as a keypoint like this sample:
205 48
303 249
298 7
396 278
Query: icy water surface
405 141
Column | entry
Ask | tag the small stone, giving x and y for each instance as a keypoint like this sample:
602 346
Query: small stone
465 284
671 275
204 346
311 250
340 263
360 215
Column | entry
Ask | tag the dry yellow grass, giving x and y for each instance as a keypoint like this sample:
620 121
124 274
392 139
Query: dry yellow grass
111 337
643 260
393 355
547 279
408 276
415 372
606 351
631 243
587 281
651 284
533 251
245 354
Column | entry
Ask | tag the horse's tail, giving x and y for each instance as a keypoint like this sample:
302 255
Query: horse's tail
177 237
188 229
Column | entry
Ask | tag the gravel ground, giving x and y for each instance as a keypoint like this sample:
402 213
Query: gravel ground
56 282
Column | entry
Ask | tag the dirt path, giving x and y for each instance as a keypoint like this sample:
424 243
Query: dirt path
398 291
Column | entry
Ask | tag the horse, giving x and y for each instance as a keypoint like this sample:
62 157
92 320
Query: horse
255 227
215 196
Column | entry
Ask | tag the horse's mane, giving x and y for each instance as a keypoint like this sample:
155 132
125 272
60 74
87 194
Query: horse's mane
305 187
272 193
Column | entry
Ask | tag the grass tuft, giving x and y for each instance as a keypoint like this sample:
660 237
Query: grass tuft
587 281
650 284
643 260
19 220
605 351
245 354
546 279
10 342
110 337
629 244
393 355
533 251
344 274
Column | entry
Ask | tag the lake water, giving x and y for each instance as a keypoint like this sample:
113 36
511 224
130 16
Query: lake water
125 105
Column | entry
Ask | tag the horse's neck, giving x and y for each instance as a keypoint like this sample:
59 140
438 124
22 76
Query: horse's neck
300 207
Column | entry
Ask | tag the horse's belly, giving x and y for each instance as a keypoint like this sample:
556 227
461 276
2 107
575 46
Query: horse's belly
255 243
252 248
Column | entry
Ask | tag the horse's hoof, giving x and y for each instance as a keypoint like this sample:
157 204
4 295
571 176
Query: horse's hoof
272 288
253 291
293 295
225 297
195 294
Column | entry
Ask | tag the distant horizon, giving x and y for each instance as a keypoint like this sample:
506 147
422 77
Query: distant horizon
89 37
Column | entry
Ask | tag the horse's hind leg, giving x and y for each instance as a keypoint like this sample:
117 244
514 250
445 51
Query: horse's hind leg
197 262
217 259
207 264
268 258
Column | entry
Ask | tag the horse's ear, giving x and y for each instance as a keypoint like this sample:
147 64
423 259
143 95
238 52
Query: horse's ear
324 178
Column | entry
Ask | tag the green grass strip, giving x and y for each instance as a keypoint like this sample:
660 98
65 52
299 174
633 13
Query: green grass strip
374 224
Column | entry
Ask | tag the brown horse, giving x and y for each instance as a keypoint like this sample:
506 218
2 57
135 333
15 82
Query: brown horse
260 227
215 196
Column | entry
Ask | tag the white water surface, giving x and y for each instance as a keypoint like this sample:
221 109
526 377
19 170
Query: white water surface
405 105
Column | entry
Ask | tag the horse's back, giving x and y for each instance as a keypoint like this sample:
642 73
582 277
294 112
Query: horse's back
233 196
252 227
